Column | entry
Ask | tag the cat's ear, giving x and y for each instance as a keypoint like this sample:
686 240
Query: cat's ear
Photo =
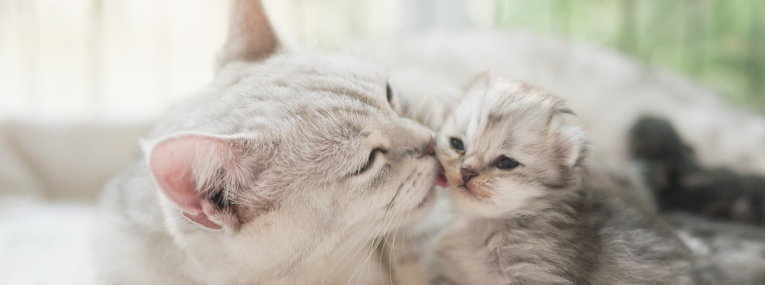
250 34
203 174
571 145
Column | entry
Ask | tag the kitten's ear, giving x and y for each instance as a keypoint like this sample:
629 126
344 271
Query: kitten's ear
571 145
250 35
201 174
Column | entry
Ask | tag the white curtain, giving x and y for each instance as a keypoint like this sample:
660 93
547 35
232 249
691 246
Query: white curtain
129 59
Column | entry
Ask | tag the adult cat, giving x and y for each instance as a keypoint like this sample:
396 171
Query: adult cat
287 169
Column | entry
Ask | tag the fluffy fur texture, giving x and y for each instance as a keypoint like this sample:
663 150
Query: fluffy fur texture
288 169
725 253
535 221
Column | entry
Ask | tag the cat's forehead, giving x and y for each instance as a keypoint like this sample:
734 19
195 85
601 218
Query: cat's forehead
502 115
504 104
297 95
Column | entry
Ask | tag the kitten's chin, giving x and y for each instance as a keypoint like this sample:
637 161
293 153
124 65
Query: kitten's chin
470 204
506 198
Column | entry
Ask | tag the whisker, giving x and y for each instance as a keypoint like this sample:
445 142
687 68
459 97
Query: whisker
366 237
393 249
376 242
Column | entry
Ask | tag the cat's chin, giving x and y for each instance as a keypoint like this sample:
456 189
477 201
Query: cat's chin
428 200
425 206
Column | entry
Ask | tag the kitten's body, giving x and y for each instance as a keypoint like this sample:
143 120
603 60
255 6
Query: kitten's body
585 240
538 220
724 252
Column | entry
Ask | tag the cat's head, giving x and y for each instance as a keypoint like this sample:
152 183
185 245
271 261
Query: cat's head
287 156
506 144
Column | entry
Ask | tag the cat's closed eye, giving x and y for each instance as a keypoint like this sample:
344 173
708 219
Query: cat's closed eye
370 161
507 163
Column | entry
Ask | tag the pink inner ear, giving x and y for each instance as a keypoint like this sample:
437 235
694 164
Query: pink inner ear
173 163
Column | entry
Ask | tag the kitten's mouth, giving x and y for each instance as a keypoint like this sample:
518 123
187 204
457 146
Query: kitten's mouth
467 191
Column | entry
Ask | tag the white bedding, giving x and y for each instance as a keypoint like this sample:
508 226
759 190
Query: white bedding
45 243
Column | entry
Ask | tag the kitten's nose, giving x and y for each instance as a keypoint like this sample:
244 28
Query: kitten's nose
467 174
431 149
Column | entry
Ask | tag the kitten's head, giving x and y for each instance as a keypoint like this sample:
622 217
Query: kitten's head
287 156
506 144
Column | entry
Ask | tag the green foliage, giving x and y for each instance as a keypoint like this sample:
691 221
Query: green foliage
720 43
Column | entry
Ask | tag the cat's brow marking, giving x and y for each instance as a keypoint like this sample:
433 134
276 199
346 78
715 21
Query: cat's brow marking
357 95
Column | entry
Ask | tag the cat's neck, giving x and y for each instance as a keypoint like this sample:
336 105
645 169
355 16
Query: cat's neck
351 263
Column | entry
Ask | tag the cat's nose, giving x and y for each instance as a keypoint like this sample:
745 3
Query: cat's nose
431 149
467 174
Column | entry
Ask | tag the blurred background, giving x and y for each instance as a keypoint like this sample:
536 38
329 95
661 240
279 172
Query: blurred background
126 60
81 79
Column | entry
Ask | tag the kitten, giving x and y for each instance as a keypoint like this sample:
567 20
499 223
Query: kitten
288 169
525 216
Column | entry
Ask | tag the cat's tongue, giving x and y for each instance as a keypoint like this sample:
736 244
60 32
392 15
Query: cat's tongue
441 180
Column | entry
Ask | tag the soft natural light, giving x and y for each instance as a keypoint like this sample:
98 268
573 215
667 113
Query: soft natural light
130 59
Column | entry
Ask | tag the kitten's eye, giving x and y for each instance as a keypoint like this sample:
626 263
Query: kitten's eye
507 163
389 92
458 145
370 161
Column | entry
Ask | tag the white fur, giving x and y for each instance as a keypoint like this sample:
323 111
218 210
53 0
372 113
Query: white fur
295 125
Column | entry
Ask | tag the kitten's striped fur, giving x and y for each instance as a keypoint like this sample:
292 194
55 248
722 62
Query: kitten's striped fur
540 222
